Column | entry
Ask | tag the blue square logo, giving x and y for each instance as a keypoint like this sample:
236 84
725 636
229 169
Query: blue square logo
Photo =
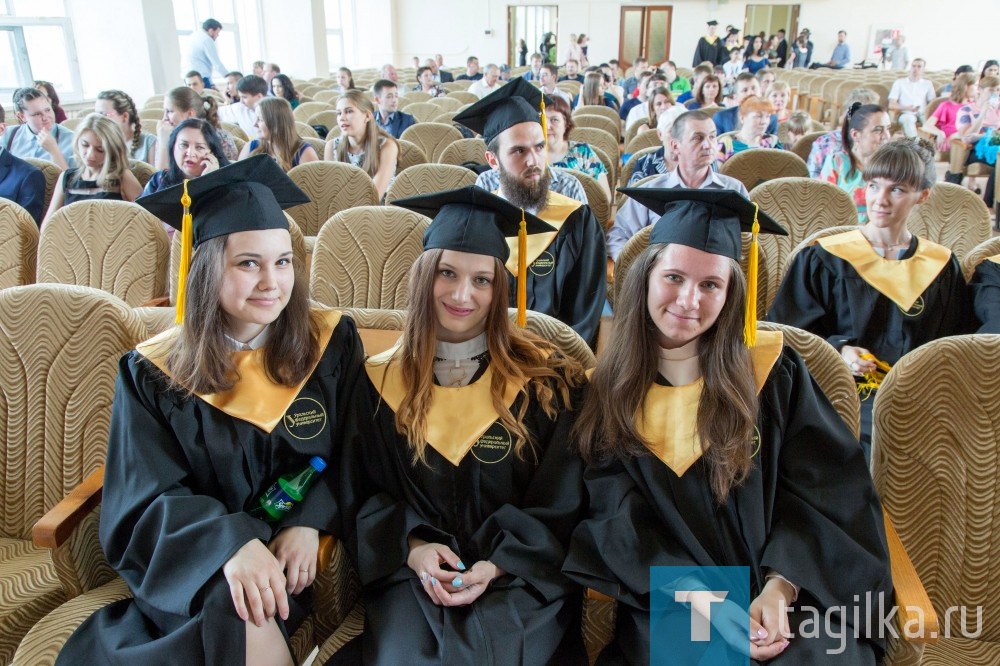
699 616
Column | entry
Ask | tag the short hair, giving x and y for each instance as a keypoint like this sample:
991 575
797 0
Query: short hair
761 73
24 95
908 161
755 104
536 55
842 32
470 60
745 76
861 96
238 75
274 68
781 31
553 69
683 120
252 84
573 60
963 69
381 85
211 24
703 70
779 86
421 70
3 116
671 63
194 73
490 67
258 63
799 122
918 60
638 60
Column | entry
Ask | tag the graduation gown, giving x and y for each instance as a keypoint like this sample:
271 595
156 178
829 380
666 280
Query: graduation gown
485 504
567 270
180 476
985 293
808 511
714 52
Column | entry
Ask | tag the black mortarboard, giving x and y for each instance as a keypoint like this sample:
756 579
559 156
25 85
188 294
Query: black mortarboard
707 220
713 22
248 195
513 103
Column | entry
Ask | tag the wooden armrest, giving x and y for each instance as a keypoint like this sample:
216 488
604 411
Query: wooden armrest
915 608
54 528
161 302
594 595
325 552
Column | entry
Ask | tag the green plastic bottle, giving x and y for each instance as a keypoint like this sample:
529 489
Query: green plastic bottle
282 496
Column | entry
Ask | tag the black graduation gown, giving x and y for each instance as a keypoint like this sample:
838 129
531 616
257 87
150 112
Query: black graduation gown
180 475
985 292
808 511
568 280
493 506
714 52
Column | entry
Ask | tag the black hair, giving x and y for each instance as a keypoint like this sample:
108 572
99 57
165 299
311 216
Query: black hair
252 85
174 173
211 24
287 88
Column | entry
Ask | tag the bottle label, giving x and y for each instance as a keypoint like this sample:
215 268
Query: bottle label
278 500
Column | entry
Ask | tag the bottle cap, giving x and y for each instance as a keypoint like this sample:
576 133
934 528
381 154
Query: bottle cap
317 463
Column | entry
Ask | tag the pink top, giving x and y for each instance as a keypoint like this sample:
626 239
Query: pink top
947 115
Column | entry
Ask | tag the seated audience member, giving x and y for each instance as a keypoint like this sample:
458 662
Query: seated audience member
755 114
830 142
841 56
611 83
389 72
270 71
593 93
251 90
975 120
425 83
103 171
490 82
707 94
909 96
676 84
362 142
416 62
857 289
984 289
258 68
535 68
393 121
440 75
38 136
472 72
567 276
639 65
865 129
20 182
193 149
961 69
232 80
638 96
660 102
281 86
728 120
697 74
118 107
799 124
53 96
639 111
942 124
692 143
709 444
766 79
777 95
990 68
571 154
663 159
181 104
572 72
345 80
278 137
505 72
548 78
195 82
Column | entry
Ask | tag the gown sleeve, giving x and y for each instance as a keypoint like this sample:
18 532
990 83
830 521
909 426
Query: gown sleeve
584 286
985 295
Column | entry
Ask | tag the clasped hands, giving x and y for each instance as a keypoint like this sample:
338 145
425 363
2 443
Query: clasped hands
458 587
767 619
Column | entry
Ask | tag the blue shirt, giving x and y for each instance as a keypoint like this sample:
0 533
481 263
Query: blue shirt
841 55
396 123
25 143
202 55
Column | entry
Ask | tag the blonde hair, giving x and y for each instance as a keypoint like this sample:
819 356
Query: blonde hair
115 154
374 137
283 142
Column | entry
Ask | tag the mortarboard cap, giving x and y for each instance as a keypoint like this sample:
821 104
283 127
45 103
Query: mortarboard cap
514 103
713 22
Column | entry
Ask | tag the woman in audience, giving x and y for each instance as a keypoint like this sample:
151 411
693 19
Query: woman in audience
943 122
469 488
118 107
707 94
50 92
593 92
707 448
880 291
213 582
660 101
425 83
831 142
183 103
755 58
193 150
278 138
362 142
102 167
865 129
345 80
282 87
571 154
975 120
777 94
754 115
990 68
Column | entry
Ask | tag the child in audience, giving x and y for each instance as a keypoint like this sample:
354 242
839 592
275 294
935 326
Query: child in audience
799 124
362 142
278 138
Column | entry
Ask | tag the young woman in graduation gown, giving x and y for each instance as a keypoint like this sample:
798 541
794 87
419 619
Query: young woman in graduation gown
467 488
878 292
250 386
704 451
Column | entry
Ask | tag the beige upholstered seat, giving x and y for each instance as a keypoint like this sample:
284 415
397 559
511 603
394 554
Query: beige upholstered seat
307 110
463 96
116 246
318 144
415 96
565 339
803 146
445 117
235 130
332 187
51 173
959 152
141 170
306 131
424 112
629 167
447 103
410 154
598 139
598 122
427 179
363 257
596 198
328 96
18 245
783 133
611 161
432 138
146 115
595 110
935 462
648 139
986 249
464 150
952 216
327 118
633 248
759 165
59 347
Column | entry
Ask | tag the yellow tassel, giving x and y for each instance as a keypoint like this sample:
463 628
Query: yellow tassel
522 273
872 380
545 129
187 241
750 320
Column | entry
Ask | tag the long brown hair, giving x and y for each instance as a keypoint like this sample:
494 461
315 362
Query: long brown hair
374 135
590 93
516 356
283 141
199 358
205 107
653 119
727 411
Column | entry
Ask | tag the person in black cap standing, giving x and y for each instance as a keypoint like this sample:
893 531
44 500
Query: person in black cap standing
566 268
709 444
466 485
248 387
710 48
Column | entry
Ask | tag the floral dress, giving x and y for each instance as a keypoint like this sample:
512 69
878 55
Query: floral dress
582 157
837 170
730 144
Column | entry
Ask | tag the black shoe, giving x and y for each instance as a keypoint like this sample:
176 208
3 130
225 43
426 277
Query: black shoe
955 178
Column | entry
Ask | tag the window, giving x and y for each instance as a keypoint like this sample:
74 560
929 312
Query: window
36 42
190 14
338 17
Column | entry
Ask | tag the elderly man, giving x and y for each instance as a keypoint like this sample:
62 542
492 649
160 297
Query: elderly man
728 120
271 70
489 83
909 96
566 269
440 75
389 72
202 56
662 160
387 113
692 142
20 182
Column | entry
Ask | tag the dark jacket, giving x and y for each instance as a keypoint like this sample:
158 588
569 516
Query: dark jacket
23 184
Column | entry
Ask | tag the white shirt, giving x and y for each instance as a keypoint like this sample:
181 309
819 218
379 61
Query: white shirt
239 114
455 363
481 90
202 55
256 342
638 113
912 93
556 92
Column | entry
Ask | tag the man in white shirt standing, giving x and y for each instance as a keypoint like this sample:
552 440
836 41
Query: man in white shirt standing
251 90
490 82
909 96
202 54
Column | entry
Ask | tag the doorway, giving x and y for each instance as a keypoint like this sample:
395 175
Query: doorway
530 23
769 19
644 31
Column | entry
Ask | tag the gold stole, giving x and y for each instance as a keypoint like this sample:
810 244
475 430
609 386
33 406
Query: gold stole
900 280
668 418
557 209
458 415
995 259
255 398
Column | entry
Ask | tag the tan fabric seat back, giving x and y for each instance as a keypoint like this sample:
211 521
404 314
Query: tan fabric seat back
332 187
432 138
596 198
559 334
18 245
985 250
464 150
803 146
427 179
141 170
952 216
424 112
759 165
51 173
612 127
648 139
410 154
